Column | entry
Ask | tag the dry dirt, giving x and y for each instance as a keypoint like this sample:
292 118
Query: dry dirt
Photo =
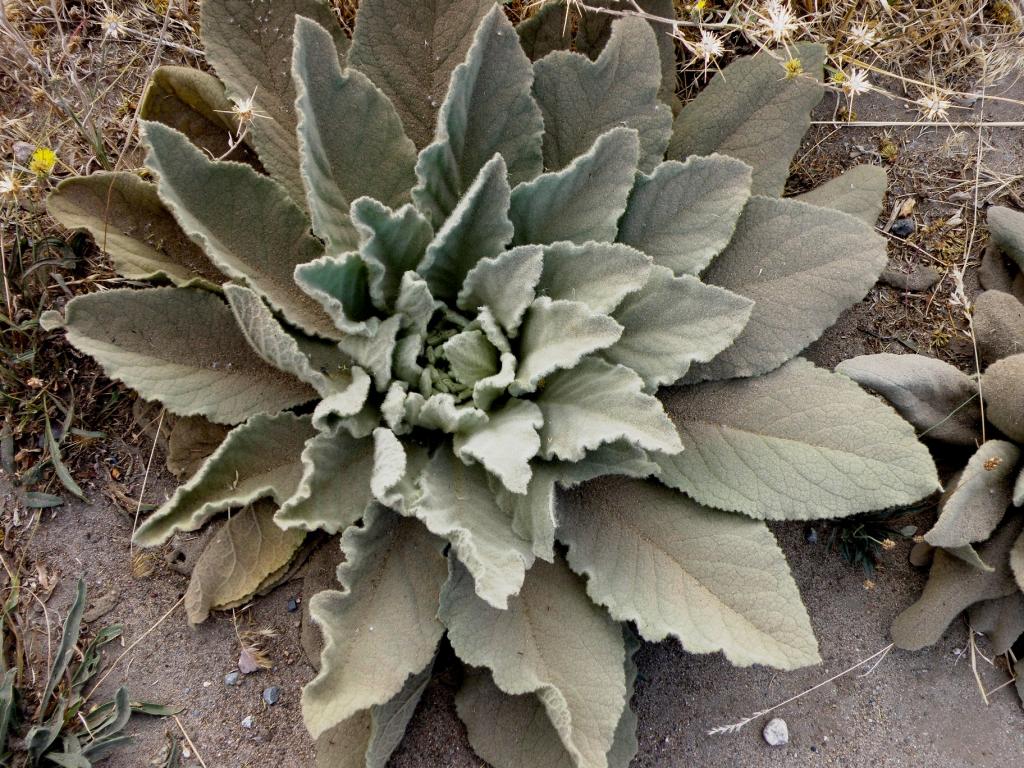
921 709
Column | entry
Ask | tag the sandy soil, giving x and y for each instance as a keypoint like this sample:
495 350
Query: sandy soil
920 709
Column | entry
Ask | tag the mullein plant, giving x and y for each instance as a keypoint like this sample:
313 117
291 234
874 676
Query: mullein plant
484 308
978 559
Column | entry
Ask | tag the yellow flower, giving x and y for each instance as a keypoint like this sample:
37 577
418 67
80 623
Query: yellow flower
42 162
794 68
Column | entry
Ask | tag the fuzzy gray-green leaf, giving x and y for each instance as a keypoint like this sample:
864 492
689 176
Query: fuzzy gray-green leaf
1007 231
599 275
504 283
505 444
246 224
753 112
584 200
800 443
859 192
351 142
582 99
393 243
257 459
180 346
684 214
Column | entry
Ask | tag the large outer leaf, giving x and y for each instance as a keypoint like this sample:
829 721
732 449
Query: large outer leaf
1003 388
457 503
998 322
409 48
545 31
478 228
684 214
714 580
935 397
580 99
247 549
488 111
249 44
974 507
557 335
859 192
182 347
1006 228
125 217
597 403
350 138
802 266
257 459
582 201
193 102
551 641
753 112
245 222
505 444
599 275
367 739
333 490
672 322
384 627
953 585
1001 620
798 444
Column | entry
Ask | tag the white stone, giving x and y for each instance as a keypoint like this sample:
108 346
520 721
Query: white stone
776 733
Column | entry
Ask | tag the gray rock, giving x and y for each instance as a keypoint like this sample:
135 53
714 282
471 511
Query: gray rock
920 278
903 228
921 554
272 695
248 722
233 678
776 732
293 605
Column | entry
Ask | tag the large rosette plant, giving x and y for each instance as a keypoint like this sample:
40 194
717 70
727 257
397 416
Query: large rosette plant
978 559
436 285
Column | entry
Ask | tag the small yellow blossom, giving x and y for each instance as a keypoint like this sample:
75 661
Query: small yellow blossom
42 162
794 68
888 545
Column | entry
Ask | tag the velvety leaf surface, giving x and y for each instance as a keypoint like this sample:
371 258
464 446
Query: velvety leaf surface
471 357
341 286
672 322
409 49
979 500
333 490
457 504
1017 561
351 142
181 347
582 201
193 102
383 628
1003 388
557 335
552 642
393 243
800 443
245 222
998 321
1000 620
684 214
859 192
953 585
250 47
802 266
714 580
191 440
257 459
581 99
375 353
245 551
488 111
940 400
505 444
599 275
597 403
751 111
478 228
125 217
505 284
1006 228
545 31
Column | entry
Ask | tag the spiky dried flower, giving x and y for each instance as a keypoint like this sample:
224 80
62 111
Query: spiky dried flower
933 105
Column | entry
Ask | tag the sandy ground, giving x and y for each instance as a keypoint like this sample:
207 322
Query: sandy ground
921 709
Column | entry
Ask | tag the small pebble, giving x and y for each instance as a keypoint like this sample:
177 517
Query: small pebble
248 721
293 605
919 279
233 678
776 733
272 695
903 228
811 535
